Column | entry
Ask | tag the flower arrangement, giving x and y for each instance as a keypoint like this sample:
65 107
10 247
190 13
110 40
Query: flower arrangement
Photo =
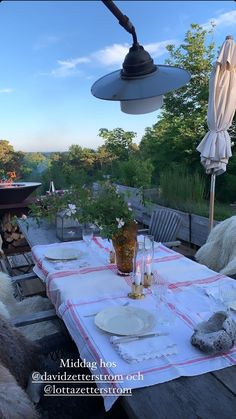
108 210
105 208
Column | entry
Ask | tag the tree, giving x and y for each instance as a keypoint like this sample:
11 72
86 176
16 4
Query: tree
81 157
182 123
134 172
118 143
34 164
10 160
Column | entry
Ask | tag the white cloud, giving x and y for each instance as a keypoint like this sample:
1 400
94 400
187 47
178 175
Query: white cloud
46 41
224 20
157 49
112 55
6 90
69 67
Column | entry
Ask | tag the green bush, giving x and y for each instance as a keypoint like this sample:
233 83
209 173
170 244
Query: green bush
133 172
178 186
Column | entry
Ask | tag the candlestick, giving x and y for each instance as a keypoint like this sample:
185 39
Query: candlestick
138 275
147 280
148 270
136 292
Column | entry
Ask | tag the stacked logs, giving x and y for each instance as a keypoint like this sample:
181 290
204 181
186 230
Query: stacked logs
11 235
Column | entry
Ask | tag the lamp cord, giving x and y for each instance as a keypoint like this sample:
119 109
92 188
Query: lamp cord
123 20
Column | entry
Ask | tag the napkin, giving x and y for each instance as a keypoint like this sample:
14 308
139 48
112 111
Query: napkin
225 292
223 295
143 349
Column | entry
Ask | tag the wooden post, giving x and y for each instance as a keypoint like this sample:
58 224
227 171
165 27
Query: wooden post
212 202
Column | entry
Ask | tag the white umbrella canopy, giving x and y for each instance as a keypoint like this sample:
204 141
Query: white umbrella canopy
215 148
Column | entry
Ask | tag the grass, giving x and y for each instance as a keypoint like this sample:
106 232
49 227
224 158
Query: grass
186 192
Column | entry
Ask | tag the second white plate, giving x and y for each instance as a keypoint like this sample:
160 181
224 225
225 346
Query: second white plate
68 253
125 321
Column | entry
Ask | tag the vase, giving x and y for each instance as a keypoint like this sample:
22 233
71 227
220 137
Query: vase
124 244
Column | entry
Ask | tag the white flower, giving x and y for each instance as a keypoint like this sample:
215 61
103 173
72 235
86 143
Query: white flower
24 217
71 210
129 206
120 222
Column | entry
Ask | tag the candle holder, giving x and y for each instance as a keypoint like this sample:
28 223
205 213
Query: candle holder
147 280
136 292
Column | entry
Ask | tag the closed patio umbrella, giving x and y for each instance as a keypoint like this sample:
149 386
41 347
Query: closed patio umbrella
215 148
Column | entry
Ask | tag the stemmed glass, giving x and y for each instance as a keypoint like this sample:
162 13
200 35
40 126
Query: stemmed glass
87 233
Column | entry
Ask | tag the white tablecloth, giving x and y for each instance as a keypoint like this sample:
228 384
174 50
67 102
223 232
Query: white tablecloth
77 291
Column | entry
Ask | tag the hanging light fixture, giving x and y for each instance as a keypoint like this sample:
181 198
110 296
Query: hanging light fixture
140 84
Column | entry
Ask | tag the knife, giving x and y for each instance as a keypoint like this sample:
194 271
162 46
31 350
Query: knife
125 339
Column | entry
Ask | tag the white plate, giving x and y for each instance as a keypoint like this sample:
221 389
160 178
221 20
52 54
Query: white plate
68 253
125 320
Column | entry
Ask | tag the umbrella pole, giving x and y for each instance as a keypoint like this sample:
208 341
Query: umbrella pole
212 201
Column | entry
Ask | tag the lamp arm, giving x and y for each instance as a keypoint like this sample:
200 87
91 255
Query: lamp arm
123 20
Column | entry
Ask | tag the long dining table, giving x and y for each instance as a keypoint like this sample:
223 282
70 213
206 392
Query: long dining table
189 384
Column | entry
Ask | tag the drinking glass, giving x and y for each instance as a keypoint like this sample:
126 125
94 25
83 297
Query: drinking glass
159 289
149 244
87 233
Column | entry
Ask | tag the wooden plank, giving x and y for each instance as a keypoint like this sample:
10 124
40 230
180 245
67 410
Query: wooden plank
200 229
29 258
38 317
184 398
24 277
17 261
227 376
32 287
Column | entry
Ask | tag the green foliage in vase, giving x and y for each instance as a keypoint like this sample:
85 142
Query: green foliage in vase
108 210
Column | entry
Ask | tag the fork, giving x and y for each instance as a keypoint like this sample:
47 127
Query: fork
94 314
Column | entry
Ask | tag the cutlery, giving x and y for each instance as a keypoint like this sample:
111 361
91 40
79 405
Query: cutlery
94 314
125 339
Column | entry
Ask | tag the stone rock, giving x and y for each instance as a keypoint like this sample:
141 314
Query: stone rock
216 335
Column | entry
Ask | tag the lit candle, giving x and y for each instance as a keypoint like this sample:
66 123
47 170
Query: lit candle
148 265
138 276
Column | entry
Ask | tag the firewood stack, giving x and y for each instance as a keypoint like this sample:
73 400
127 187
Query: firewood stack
11 235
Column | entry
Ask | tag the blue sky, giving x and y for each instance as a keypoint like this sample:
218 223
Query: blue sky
52 52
